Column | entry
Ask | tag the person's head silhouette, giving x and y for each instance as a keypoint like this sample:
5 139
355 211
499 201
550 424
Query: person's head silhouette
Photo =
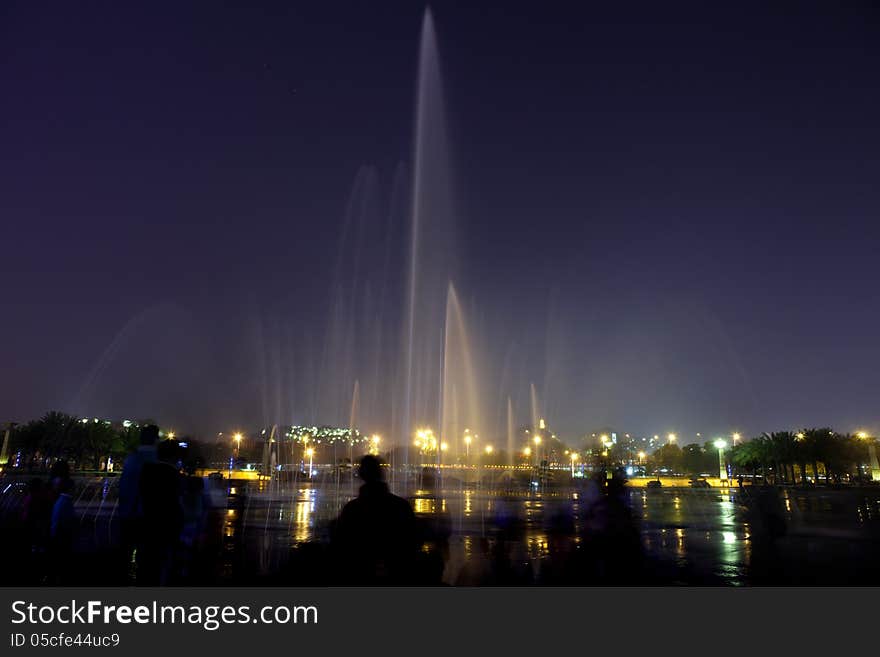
167 451
149 435
370 469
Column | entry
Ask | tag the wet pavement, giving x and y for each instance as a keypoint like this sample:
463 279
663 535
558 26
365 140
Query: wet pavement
271 533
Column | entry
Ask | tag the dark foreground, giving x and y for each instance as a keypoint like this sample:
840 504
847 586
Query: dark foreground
253 533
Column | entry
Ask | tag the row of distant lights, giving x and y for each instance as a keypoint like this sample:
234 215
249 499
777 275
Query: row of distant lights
127 424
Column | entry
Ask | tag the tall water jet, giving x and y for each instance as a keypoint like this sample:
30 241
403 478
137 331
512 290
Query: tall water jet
461 400
535 407
511 432
352 425
430 263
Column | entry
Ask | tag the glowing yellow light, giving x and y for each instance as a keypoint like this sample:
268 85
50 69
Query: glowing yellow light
720 444
467 439
310 452
862 434
489 449
672 437
537 440
527 451
444 446
237 437
541 424
170 435
375 440
574 456
641 455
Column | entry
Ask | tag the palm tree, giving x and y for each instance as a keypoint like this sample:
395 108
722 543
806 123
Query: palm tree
814 445
783 450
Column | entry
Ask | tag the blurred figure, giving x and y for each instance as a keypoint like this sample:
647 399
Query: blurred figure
36 515
129 509
767 524
376 536
58 474
611 552
62 525
161 517
36 512
193 523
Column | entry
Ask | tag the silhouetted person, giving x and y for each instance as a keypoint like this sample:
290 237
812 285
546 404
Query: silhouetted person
58 474
377 539
62 526
36 511
161 516
129 510
193 505
36 515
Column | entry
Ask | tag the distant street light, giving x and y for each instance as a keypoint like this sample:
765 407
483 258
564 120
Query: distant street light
722 466
574 457
671 438
872 455
310 453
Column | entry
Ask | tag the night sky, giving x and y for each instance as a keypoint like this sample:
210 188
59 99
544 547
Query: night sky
666 214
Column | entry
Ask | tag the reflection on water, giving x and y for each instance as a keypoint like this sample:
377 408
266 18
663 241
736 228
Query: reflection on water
686 536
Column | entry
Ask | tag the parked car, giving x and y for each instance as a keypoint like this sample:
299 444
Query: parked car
699 483
654 483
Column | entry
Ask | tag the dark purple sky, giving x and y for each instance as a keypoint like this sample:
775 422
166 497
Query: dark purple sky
668 214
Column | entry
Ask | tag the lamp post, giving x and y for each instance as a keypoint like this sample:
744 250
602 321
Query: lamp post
310 452
574 457
236 437
872 455
722 466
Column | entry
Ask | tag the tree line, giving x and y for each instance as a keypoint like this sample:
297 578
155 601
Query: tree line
779 457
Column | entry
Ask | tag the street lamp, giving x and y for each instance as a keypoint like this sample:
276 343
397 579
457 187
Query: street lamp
574 457
310 453
375 441
237 438
722 467
736 437
671 438
872 455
